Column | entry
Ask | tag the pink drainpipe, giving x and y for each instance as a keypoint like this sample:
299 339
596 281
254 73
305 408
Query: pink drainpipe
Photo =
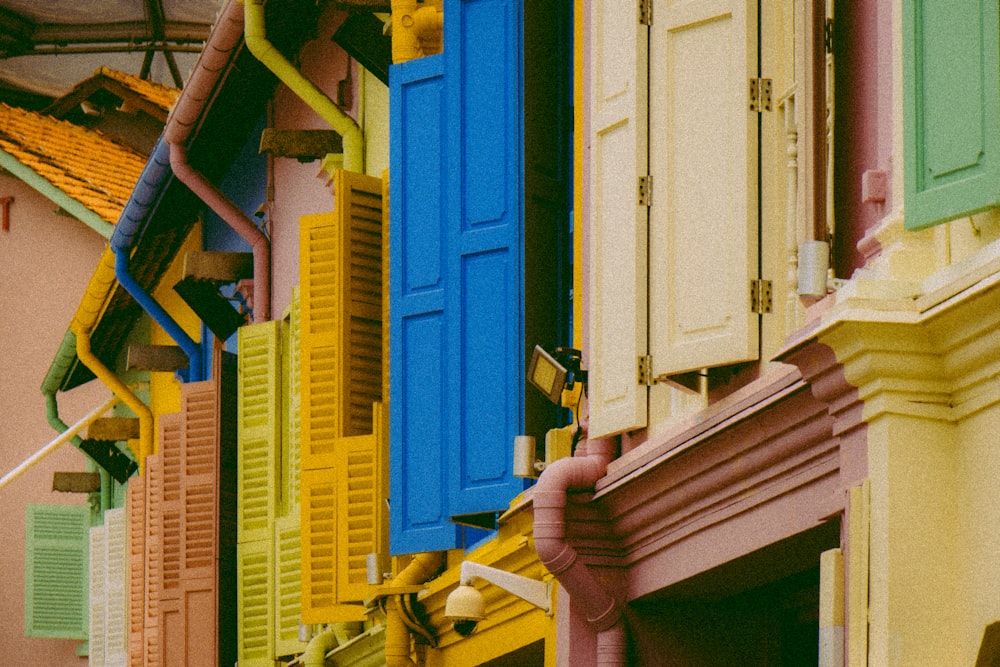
208 73
578 473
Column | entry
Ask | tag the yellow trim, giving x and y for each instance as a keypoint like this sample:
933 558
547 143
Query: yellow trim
578 226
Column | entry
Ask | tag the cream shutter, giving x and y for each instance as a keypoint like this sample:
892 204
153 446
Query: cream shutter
703 157
618 222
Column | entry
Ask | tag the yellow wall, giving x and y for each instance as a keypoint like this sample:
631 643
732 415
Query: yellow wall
164 388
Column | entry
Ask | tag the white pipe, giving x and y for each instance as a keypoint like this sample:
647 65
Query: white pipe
55 444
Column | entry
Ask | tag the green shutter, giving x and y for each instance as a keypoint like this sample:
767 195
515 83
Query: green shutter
56 563
951 106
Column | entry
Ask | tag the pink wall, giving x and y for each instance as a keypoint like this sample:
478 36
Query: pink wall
46 261
298 190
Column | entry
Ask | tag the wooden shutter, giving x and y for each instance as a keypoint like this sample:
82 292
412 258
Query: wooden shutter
703 159
617 220
341 310
98 596
116 594
259 424
288 584
418 422
256 604
291 415
137 599
485 257
156 546
56 563
951 109
456 275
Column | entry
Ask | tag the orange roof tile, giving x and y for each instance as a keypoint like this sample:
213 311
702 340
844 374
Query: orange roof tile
85 164
160 95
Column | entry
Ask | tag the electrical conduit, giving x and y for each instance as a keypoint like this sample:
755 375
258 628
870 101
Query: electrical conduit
578 473
397 635
307 91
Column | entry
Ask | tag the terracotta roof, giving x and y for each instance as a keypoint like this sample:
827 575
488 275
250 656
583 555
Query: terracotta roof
85 164
160 95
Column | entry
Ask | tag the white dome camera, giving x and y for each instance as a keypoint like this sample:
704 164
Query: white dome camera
466 607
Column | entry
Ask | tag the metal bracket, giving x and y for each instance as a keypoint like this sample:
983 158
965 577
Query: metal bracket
761 298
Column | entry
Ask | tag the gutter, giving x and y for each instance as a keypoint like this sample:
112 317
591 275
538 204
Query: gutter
144 197
87 315
57 196
580 472
50 385
212 66
307 91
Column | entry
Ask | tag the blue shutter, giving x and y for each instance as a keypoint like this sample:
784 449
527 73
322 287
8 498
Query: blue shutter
484 205
418 472
456 276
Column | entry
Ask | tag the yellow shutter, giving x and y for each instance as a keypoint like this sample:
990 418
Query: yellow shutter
256 604
288 585
342 454
341 310
292 409
259 423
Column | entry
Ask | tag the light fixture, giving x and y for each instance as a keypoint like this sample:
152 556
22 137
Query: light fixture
551 373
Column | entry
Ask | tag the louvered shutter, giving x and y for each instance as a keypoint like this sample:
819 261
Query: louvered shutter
256 604
456 275
703 159
98 597
288 584
291 436
137 599
951 109
157 548
617 220
259 424
56 577
259 430
116 592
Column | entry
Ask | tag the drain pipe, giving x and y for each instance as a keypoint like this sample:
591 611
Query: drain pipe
50 385
307 91
397 634
315 653
578 473
213 63
144 199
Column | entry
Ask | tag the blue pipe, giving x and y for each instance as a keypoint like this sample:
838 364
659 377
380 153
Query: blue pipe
145 197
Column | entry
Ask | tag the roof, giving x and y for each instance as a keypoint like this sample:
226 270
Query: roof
154 98
86 165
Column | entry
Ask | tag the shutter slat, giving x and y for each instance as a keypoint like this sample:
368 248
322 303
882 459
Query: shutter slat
256 604
288 583
136 508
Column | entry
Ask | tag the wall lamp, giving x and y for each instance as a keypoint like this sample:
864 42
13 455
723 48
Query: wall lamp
465 605
551 373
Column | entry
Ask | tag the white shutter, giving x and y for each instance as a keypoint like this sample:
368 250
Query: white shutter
116 576
98 596
617 222
703 157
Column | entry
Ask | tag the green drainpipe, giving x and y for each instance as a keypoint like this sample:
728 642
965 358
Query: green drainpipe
50 385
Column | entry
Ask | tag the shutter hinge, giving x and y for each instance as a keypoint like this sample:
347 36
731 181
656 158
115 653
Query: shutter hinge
644 370
828 35
644 192
760 296
645 12
760 94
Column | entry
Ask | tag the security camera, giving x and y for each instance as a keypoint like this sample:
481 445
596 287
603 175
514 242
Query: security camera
465 607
